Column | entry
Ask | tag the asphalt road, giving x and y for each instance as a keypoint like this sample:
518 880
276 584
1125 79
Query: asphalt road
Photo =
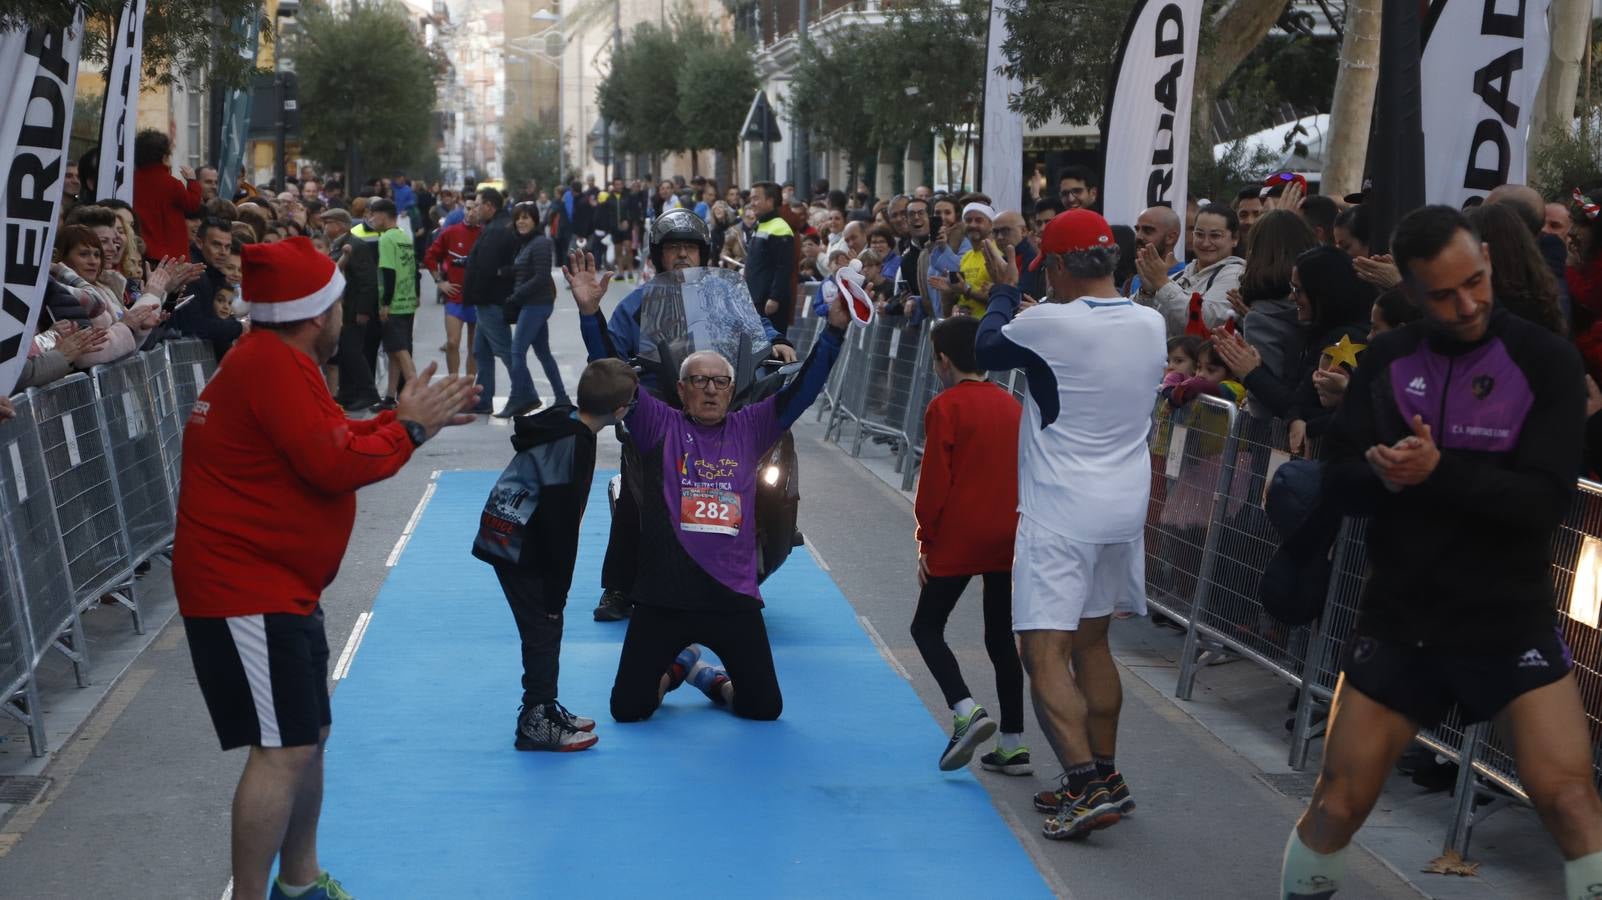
140 801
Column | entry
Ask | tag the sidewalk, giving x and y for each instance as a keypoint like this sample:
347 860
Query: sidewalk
1245 708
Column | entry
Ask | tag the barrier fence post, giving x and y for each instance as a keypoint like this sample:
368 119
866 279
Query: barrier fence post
1321 673
1191 660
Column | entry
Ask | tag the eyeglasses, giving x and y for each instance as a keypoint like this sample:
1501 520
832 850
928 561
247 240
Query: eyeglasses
1209 236
700 382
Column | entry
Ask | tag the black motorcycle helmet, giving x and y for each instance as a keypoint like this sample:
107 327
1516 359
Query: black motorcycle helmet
680 225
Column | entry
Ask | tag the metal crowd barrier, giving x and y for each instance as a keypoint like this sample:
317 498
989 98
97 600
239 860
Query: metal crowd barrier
88 479
1190 448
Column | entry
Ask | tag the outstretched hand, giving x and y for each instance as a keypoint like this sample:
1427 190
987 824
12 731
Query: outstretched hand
1003 268
588 285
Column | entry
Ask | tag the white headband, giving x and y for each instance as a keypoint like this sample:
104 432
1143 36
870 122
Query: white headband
983 209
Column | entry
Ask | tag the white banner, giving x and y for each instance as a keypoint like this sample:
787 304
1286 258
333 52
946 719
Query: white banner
1002 175
1146 132
121 116
1481 66
35 127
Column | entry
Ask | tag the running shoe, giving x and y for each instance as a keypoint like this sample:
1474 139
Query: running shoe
326 888
1119 792
542 727
614 606
682 664
969 732
579 723
1079 816
1008 762
1049 801
383 404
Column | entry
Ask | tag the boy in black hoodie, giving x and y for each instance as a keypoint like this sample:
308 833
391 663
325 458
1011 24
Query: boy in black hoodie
529 532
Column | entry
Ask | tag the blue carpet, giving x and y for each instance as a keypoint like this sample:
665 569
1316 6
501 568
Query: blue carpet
840 797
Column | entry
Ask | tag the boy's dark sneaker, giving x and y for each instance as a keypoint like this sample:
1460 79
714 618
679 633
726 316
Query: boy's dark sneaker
967 733
383 404
1015 762
614 606
544 727
1079 816
682 664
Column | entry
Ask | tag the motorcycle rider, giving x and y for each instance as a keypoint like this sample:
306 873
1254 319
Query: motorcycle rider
680 240
698 509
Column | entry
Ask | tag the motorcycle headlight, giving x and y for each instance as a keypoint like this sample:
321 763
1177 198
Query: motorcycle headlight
770 475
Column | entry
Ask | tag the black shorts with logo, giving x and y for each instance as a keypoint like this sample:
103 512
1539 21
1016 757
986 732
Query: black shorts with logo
264 677
397 331
1422 683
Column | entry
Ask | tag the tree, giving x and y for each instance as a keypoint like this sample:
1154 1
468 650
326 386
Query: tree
189 36
710 82
641 92
1352 110
360 104
930 63
1560 86
827 94
532 154
1065 70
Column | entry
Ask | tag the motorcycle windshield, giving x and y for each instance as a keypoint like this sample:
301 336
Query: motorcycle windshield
689 310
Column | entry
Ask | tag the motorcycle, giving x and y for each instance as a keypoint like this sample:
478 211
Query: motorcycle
689 310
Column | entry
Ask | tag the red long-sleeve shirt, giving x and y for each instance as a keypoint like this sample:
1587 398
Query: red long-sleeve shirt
270 471
161 202
450 249
967 505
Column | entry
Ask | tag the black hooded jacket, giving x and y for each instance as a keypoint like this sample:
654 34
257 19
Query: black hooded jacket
531 519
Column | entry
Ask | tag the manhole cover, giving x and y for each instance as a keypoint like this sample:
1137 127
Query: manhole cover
22 790
1291 784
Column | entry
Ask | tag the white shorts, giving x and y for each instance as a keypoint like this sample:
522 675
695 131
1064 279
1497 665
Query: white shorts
1058 581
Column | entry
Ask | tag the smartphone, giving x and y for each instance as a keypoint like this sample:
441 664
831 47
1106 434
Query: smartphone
174 303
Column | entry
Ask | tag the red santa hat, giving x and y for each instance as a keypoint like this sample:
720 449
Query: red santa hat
288 281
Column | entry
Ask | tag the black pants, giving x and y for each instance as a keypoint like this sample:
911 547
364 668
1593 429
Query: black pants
657 634
621 565
539 624
356 386
372 340
935 603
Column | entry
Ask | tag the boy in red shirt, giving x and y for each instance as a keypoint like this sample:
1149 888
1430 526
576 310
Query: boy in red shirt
967 511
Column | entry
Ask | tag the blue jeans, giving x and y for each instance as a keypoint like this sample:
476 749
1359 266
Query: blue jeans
494 341
533 330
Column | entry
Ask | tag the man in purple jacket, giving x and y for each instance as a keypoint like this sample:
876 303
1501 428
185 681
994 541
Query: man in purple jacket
698 553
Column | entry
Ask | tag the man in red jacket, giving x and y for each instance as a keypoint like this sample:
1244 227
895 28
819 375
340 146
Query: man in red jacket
161 200
446 261
967 512
270 472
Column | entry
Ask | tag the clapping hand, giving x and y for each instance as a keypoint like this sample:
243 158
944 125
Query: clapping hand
1379 271
1153 271
1237 303
1330 385
437 404
1412 460
81 342
1241 358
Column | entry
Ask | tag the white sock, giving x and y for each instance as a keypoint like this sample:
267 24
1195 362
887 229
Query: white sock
1010 741
1308 873
1582 878
964 707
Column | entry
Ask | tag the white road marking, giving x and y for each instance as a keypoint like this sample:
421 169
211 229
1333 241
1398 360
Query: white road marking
228 892
884 649
816 556
406 533
346 656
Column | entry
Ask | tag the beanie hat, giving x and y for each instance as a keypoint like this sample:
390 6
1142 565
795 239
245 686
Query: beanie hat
288 281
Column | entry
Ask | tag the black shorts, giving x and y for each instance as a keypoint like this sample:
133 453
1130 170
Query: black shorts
619 237
398 334
264 677
1422 683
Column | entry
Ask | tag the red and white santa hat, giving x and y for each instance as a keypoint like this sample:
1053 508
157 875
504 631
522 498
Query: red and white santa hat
288 281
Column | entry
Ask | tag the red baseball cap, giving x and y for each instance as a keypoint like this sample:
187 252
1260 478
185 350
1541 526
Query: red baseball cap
1071 232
